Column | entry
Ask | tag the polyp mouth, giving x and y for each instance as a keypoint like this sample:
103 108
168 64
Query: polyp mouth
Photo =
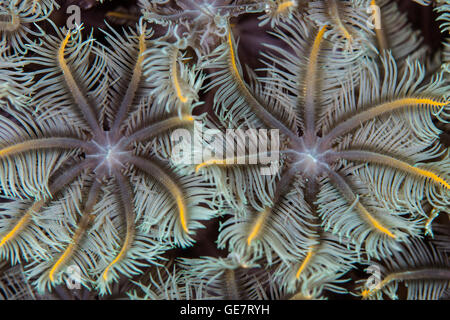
110 155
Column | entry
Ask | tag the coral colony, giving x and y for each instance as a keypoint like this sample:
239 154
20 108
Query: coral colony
223 149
